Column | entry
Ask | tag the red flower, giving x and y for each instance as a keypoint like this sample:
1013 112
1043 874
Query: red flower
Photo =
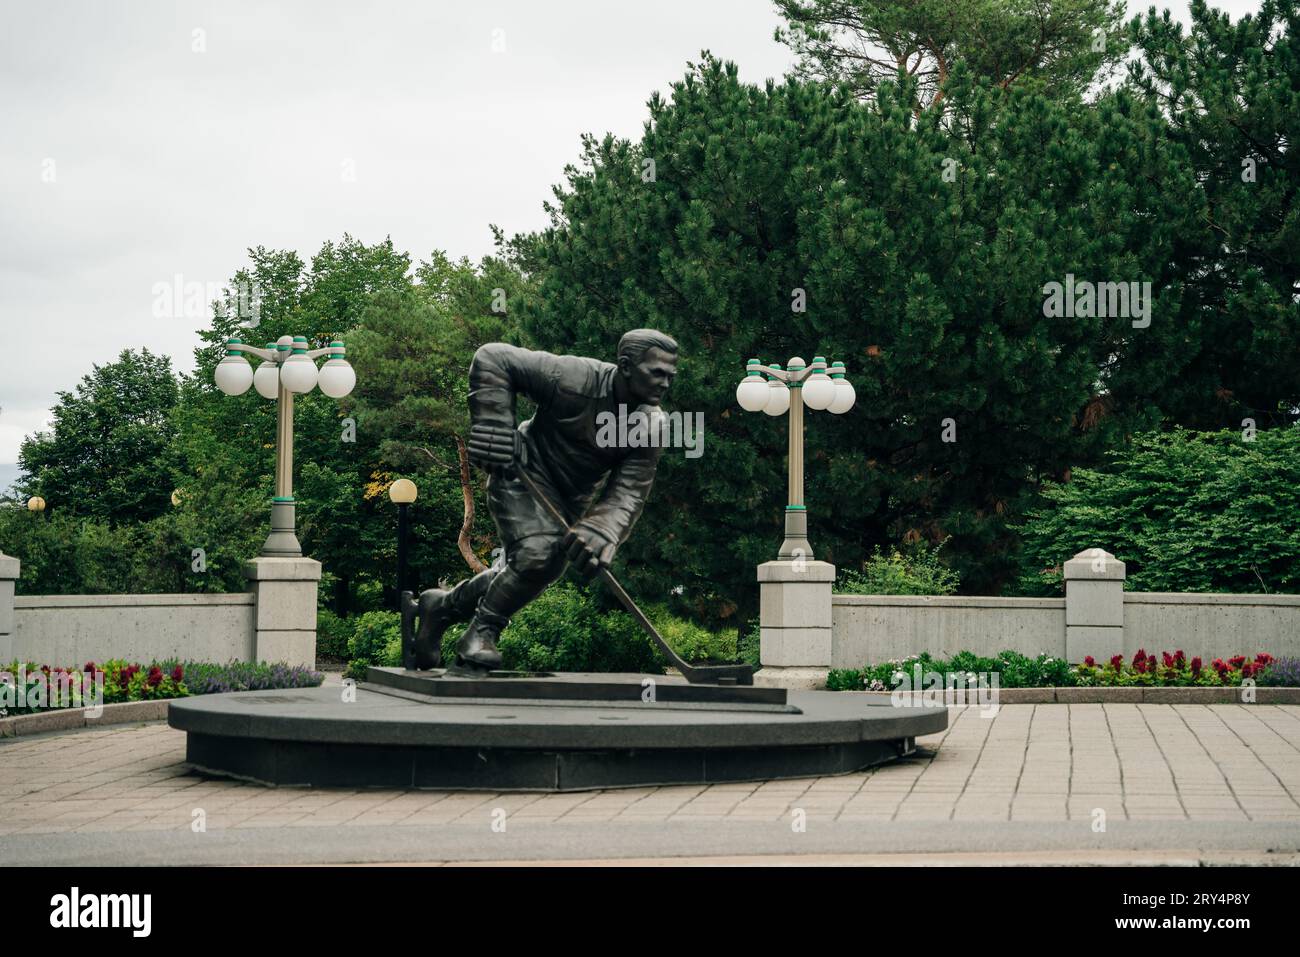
177 674
1196 665
1117 662
1247 670
1167 659
91 667
1090 662
1179 657
155 677
1238 661
1263 659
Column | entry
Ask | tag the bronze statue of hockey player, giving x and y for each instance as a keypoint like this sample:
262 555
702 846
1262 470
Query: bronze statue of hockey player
561 453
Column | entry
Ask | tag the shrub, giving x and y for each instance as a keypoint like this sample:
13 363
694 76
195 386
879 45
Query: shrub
749 646
333 634
916 571
565 629
376 640
1185 511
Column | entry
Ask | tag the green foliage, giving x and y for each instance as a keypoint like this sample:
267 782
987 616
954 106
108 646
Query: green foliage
930 290
333 634
568 628
1228 92
564 629
917 571
864 42
1185 511
376 639
63 554
750 645
107 454
1014 670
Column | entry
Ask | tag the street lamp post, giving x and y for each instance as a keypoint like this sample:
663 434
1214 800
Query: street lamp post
36 504
817 386
403 493
287 367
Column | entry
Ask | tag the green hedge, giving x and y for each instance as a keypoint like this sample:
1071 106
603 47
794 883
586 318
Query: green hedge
566 628
1185 511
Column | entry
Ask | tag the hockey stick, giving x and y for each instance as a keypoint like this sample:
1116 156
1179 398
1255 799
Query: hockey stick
695 674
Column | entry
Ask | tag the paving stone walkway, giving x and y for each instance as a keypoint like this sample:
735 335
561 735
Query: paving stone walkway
1077 772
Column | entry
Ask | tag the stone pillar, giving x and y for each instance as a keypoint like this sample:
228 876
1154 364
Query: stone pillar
795 623
1094 606
9 569
284 591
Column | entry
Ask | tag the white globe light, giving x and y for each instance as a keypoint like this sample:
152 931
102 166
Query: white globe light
778 398
337 377
403 492
844 397
752 393
266 380
233 375
298 373
818 391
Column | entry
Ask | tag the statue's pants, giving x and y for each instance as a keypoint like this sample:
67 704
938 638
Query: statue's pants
533 558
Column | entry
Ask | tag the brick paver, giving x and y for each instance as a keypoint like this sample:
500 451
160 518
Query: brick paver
1028 763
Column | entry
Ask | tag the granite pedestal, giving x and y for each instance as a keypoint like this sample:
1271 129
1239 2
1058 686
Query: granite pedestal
577 732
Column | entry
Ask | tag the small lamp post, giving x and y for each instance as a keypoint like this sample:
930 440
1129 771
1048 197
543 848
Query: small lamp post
287 367
403 493
817 386
36 504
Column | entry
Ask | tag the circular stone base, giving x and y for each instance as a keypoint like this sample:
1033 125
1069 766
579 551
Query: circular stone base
314 737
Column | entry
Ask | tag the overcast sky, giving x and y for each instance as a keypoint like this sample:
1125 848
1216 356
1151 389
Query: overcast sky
145 140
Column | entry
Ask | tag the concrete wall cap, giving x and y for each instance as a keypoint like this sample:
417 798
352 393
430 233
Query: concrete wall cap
792 571
947 601
1095 564
133 601
9 566
1209 598
283 569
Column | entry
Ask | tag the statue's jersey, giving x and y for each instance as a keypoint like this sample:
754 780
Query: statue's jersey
562 452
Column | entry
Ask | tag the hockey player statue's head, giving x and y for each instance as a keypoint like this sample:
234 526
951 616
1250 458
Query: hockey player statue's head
647 362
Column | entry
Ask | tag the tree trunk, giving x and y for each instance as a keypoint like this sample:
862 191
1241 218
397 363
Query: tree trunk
462 540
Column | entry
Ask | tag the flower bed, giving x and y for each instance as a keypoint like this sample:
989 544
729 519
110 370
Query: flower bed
1016 670
27 688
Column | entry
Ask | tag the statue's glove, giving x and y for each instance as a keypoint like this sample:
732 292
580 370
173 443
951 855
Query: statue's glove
588 550
494 448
